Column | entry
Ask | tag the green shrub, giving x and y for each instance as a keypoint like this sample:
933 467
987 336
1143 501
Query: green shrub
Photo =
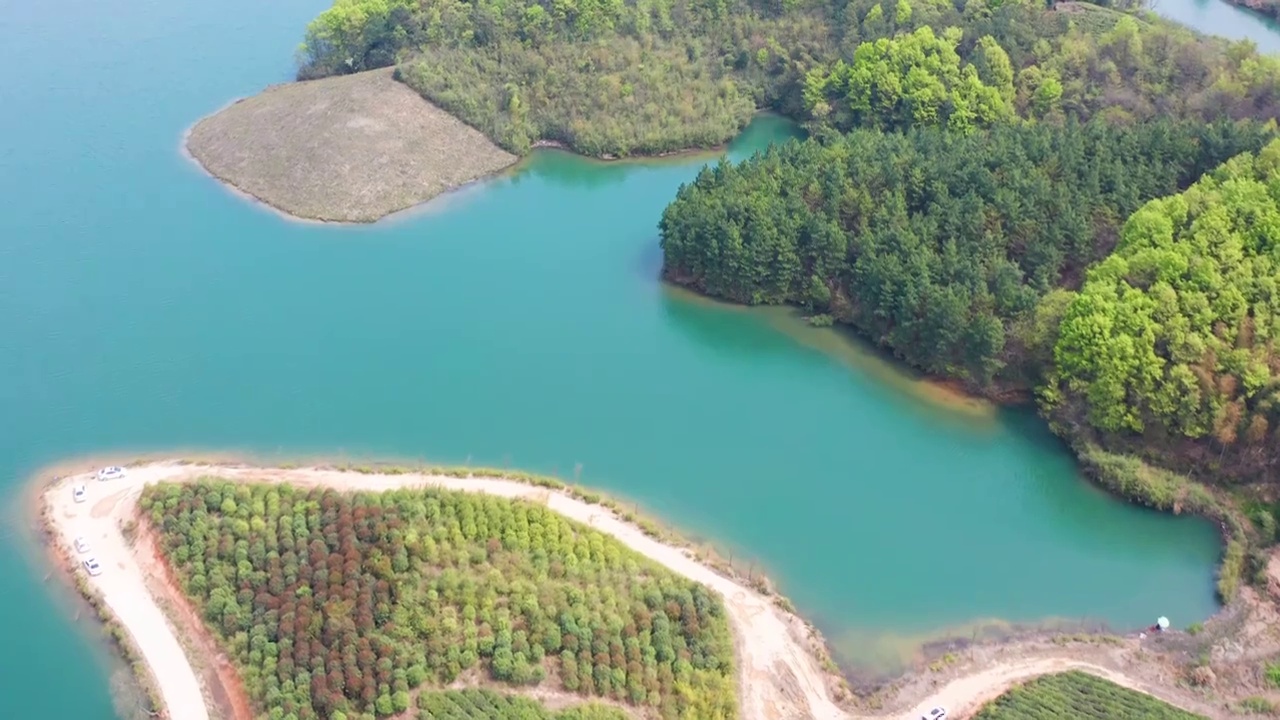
1272 673
1078 696
1257 705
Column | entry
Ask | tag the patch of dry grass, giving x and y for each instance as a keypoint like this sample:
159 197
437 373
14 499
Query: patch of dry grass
351 148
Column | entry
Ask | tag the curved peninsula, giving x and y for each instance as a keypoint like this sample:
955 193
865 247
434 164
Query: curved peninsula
349 148
778 673
780 663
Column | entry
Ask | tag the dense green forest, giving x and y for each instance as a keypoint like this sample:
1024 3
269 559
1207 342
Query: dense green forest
946 247
617 77
479 704
342 605
1173 337
1079 696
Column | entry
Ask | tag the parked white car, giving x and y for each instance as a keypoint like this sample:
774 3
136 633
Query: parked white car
82 545
938 713
91 566
78 493
115 472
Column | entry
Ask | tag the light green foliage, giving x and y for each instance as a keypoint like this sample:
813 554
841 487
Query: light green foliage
489 705
1257 705
344 603
902 16
1079 696
618 77
1272 673
994 67
1126 73
1175 331
934 243
353 35
1038 334
916 79
605 77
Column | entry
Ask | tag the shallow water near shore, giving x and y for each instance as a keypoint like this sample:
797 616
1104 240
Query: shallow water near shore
517 323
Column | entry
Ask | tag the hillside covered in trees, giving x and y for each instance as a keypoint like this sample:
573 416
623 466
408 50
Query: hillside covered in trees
619 77
344 605
1172 340
937 244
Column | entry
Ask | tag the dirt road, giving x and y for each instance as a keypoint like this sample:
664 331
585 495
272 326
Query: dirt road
779 678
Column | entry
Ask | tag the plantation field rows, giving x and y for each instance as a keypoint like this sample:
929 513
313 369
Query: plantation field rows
1078 696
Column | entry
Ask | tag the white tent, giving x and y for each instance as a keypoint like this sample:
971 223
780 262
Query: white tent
1163 623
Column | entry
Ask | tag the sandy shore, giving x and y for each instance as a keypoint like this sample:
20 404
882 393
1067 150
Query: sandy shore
780 679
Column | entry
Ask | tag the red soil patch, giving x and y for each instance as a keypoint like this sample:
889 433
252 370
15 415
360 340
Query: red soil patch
216 670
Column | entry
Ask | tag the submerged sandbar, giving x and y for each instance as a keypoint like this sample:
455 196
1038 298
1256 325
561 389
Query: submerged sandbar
350 148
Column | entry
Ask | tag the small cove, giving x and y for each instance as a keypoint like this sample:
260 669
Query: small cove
518 322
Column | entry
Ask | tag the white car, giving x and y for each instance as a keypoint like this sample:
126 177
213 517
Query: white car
938 713
78 493
82 545
91 566
115 472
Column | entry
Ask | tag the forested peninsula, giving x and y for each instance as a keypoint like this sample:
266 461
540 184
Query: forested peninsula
1077 205
987 190
624 77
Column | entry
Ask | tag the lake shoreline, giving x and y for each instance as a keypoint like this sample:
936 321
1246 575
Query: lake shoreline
244 195
348 149
1193 497
863 355
946 392
238 186
801 647
810 674
114 635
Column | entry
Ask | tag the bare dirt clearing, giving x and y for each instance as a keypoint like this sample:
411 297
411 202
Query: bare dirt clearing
779 677
350 148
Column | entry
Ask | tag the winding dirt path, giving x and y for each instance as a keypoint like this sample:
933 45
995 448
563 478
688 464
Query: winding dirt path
779 678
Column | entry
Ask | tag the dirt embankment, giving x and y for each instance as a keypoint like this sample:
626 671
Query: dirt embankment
222 684
780 679
352 148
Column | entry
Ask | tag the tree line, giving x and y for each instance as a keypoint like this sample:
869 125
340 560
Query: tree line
346 603
1172 340
622 77
944 246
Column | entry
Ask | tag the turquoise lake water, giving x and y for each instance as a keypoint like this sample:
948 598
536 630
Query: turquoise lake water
519 323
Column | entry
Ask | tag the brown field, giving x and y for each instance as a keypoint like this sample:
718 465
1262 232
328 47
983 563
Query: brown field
352 148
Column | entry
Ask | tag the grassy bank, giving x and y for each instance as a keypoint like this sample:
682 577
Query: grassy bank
1138 482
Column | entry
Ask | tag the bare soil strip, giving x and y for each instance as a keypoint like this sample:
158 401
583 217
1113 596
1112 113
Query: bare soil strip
779 677
352 148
